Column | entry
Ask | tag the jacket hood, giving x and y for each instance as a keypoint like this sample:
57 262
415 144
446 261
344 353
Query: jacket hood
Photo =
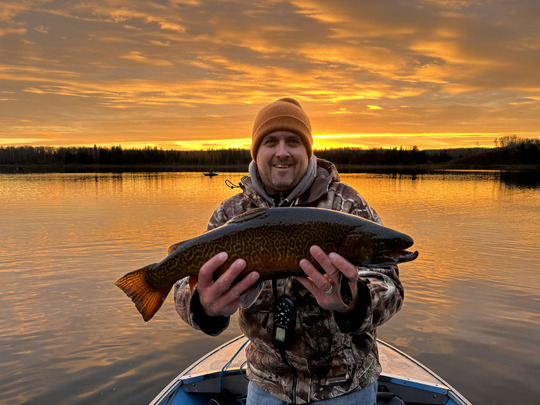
312 187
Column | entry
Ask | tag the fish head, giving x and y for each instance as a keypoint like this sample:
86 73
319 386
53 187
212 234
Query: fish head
360 246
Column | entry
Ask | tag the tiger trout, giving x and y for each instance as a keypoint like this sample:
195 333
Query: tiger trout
272 241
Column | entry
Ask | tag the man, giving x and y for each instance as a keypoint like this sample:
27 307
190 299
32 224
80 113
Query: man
332 354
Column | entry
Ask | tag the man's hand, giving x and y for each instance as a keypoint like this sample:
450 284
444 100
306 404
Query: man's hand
325 287
220 297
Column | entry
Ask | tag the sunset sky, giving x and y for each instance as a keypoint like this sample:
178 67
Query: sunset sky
192 74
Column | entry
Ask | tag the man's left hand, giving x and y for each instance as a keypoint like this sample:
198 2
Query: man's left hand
325 287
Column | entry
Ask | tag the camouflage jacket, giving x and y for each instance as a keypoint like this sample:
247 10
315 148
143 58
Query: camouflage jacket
333 353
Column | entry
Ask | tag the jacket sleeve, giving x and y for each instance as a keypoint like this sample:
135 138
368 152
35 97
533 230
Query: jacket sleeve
380 296
188 306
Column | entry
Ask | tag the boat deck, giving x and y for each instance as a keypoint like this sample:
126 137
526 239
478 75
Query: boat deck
224 369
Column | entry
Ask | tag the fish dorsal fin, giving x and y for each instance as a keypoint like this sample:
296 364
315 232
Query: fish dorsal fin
175 246
246 216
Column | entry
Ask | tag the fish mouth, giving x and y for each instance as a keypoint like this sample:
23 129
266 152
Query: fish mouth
395 244
406 256
393 258
398 252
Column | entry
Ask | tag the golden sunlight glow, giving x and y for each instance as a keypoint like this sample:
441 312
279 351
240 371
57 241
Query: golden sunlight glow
174 77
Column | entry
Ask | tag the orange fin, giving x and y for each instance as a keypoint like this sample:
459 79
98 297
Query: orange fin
148 300
174 246
193 280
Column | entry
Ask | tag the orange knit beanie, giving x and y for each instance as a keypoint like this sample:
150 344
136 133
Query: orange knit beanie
285 114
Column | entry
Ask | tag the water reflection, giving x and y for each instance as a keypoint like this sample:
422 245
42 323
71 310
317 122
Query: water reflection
521 179
67 334
508 178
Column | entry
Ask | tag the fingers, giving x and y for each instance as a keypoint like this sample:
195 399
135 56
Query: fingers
220 297
325 287
315 281
310 285
319 284
345 267
224 282
318 280
245 284
206 273
326 263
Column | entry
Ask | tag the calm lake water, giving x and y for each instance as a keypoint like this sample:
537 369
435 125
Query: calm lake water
69 336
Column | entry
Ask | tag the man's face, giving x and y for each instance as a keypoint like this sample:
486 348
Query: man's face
282 161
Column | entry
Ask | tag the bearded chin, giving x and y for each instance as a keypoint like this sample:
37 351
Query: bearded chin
282 183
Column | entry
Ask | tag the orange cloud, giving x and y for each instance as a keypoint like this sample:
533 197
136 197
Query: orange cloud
189 74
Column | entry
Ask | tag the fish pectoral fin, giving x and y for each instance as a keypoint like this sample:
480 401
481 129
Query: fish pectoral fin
193 280
250 296
246 216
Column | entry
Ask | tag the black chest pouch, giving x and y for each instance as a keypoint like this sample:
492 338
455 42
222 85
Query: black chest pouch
284 320
284 323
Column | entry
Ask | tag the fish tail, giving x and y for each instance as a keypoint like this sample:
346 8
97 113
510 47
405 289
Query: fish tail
147 299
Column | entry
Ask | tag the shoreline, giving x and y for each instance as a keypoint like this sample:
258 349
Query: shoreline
342 168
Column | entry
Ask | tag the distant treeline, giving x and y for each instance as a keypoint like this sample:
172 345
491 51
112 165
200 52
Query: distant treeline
514 141
119 156
393 156
514 151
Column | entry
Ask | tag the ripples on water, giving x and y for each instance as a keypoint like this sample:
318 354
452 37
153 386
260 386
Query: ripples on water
68 335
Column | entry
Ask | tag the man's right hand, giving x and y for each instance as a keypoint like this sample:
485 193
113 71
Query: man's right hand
219 297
